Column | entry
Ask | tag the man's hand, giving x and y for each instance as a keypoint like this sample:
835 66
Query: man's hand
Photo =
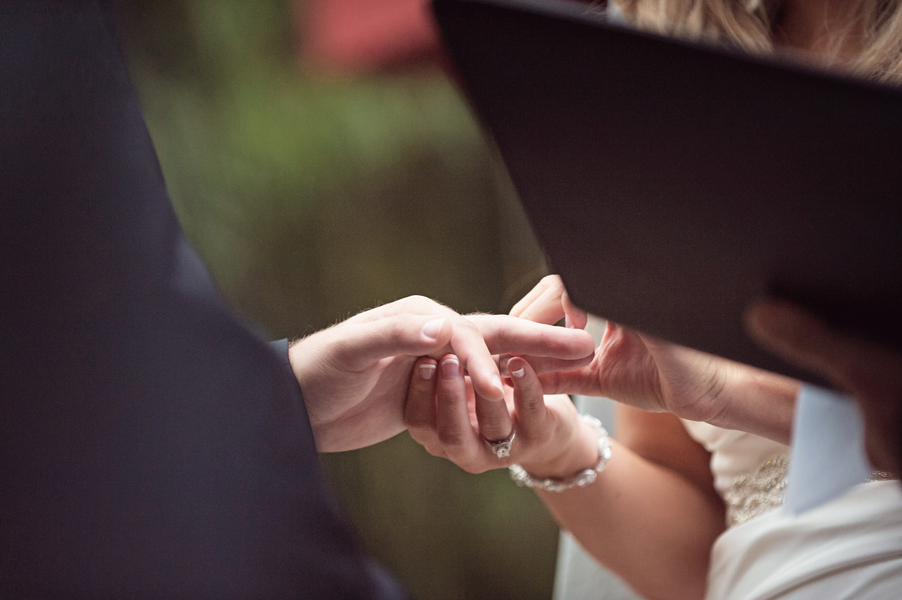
870 373
354 375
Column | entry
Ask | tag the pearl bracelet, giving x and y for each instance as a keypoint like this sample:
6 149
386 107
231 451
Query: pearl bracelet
583 479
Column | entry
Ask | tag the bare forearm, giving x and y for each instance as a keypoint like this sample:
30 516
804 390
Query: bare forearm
645 523
757 402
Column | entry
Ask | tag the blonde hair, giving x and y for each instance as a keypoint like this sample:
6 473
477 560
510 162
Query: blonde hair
749 24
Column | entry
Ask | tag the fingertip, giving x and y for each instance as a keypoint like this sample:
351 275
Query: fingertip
801 338
577 317
419 408
426 368
516 366
588 344
759 317
778 323
450 367
529 396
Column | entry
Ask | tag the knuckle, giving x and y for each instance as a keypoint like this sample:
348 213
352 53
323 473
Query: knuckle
451 437
418 425
530 406
397 331
418 303
529 390
414 300
466 326
435 450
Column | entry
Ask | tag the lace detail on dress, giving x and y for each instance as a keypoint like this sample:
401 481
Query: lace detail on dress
759 492
765 489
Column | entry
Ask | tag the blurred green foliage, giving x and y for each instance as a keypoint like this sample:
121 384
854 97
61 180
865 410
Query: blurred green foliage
311 200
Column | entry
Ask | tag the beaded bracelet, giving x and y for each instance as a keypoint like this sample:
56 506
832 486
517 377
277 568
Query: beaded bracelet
583 479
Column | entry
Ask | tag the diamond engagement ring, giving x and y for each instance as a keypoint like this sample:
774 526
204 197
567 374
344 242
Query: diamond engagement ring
502 448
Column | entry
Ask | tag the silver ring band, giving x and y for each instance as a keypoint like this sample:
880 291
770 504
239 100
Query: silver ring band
502 448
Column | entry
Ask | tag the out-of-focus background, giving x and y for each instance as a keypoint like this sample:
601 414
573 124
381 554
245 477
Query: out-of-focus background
322 163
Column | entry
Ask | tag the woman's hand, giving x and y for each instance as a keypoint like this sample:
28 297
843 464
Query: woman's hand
629 367
647 523
445 415
655 375
355 375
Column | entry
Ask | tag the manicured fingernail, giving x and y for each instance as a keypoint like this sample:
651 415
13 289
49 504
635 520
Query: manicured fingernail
432 328
567 322
450 368
496 381
519 373
427 371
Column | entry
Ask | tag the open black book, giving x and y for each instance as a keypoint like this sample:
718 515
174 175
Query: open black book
671 183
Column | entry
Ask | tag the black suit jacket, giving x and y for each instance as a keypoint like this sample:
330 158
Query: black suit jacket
150 445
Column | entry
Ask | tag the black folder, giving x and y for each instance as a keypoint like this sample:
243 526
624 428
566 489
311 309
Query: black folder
672 182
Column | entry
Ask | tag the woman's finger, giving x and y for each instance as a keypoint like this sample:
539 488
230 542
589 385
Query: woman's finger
543 303
419 409
529 400
459 440
575 317
533 294
494 420
548 302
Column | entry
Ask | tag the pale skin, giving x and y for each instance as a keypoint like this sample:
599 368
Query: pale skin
354 375
653 514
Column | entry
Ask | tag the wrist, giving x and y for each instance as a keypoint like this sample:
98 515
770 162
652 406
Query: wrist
583 478
579 452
